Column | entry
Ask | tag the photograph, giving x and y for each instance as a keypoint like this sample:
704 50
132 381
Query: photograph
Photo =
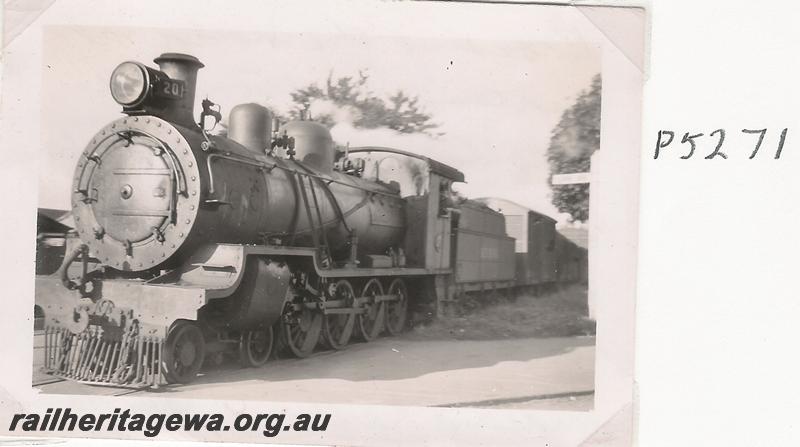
334 212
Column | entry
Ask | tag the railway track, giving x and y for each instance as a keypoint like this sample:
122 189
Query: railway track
47 382
47 386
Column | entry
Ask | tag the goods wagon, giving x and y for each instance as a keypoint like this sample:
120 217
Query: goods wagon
484 254
543 256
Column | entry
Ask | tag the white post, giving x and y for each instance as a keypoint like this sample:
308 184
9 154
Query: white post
595 191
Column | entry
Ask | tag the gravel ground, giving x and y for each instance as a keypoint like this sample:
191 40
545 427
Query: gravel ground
561 313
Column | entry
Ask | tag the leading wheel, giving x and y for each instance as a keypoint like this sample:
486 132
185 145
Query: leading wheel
370 322
301 329
255 347
337 328
184 351
397 309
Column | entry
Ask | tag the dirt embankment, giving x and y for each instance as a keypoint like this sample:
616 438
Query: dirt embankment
561 313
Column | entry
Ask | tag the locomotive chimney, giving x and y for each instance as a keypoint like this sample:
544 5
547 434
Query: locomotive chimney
250 125
182 67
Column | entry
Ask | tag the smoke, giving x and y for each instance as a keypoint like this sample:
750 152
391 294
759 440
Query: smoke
345 132
322 109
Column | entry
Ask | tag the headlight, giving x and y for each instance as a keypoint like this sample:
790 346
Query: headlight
129 83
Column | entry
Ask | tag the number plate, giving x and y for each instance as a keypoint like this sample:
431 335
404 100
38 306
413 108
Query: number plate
170 88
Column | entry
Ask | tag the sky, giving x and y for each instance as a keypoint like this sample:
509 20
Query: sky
497 100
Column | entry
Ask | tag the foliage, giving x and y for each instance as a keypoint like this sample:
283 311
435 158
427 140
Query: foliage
572 143
399 111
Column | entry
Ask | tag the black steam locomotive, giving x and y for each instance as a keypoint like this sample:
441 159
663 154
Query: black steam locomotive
193 244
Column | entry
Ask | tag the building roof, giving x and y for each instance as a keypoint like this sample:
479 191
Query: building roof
53 214
50 220
495 203
579 236
45 224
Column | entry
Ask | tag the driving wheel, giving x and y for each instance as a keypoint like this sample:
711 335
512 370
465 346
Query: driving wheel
397 309
338 327
301 329
370 322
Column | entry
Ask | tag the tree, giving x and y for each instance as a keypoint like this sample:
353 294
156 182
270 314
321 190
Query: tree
572 143
399 111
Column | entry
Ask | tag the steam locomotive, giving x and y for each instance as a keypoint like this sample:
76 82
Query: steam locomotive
193 245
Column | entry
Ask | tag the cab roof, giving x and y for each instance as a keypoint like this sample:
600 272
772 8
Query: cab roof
435 166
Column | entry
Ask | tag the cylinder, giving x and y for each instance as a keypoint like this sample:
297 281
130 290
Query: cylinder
182 67
250 125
